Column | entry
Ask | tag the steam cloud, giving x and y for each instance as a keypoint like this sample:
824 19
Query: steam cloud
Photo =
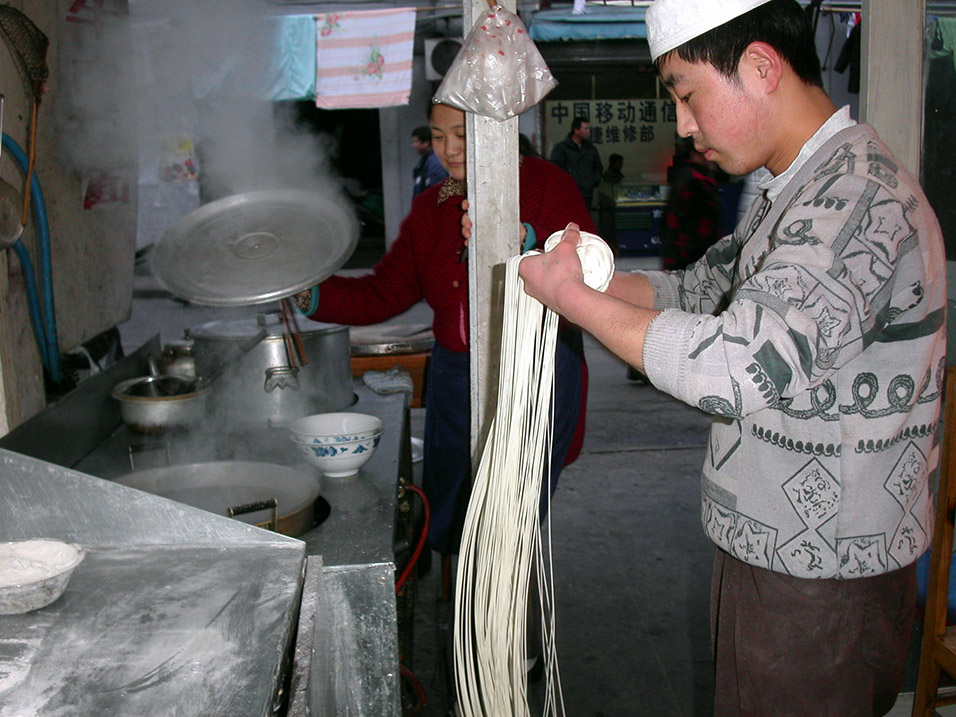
201 83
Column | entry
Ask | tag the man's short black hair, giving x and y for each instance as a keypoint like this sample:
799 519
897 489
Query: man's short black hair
422 134
578 121
782 24
614 159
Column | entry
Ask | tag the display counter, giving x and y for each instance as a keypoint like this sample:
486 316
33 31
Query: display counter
633 215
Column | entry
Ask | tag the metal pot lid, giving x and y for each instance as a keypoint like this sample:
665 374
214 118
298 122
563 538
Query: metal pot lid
387 339
255 247
233 329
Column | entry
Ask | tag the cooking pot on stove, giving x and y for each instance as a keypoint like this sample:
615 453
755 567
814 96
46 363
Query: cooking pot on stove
268 385
155 404
239 488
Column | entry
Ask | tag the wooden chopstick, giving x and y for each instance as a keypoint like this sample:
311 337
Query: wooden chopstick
286 337
296 338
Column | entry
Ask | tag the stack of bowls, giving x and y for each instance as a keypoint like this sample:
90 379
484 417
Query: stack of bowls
339 443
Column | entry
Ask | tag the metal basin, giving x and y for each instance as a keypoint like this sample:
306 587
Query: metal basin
153 412
221 485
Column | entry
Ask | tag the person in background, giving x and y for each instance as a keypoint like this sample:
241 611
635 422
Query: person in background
429 261
578 156
526 146
614 174
692 219
429 169
607 201
815 335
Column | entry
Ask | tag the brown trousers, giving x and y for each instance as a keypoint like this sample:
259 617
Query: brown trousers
792 646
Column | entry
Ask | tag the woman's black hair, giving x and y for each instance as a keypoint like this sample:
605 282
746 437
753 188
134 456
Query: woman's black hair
782 24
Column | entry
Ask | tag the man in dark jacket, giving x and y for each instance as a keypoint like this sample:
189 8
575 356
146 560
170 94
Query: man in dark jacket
428 171
578 156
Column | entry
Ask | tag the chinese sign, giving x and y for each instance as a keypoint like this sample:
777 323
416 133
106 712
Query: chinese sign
642 131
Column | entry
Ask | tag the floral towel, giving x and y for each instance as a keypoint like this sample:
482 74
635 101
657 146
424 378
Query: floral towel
364 58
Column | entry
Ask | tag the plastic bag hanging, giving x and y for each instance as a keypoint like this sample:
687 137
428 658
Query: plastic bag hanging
498 72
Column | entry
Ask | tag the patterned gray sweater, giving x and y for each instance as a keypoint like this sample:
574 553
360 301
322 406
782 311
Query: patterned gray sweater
816 336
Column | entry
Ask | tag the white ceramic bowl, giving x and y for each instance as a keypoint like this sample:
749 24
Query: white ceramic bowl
335 428
341 459
34 573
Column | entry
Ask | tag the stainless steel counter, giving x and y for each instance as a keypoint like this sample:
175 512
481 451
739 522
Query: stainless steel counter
172 609
182 600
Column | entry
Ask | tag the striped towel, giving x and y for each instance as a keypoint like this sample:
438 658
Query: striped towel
364 58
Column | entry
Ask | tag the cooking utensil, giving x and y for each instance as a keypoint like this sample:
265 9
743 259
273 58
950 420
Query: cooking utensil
242 349
157 412
177 359
292 327
287 336
220 485
255 247
156 386
263 389
391 339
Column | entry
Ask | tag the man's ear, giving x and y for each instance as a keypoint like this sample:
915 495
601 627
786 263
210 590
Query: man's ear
763 64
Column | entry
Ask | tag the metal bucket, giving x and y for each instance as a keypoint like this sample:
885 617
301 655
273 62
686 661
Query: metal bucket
262 388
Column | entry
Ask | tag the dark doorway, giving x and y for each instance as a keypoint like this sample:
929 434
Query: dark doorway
356 157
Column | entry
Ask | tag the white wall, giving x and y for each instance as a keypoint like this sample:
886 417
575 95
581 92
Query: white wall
92 248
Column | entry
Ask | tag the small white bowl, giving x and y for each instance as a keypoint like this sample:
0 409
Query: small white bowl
34 573
339 460
335 428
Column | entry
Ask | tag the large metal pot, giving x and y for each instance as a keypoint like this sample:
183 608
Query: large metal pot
221 486
262 388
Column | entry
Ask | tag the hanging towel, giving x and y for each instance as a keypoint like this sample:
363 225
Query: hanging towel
290 72
364 58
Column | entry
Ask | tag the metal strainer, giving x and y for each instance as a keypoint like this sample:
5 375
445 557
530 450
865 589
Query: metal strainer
28 45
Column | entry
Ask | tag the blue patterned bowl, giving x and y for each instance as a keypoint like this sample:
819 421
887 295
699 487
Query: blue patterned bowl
340 459
335 428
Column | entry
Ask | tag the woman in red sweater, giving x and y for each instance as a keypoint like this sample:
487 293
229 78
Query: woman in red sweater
428 262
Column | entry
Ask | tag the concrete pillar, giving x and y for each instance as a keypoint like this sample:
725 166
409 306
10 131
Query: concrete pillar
493 198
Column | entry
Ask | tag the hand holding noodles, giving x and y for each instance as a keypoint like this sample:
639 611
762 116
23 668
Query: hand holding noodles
502 534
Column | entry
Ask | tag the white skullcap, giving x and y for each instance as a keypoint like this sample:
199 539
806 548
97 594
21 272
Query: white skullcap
671 23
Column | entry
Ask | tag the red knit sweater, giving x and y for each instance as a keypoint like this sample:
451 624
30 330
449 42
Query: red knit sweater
423 263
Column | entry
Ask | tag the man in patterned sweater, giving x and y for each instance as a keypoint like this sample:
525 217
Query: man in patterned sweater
815 335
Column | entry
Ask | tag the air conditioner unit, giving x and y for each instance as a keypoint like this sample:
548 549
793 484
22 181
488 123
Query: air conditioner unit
439 54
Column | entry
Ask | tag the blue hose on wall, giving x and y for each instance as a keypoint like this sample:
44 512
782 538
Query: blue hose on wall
45 327
29 280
